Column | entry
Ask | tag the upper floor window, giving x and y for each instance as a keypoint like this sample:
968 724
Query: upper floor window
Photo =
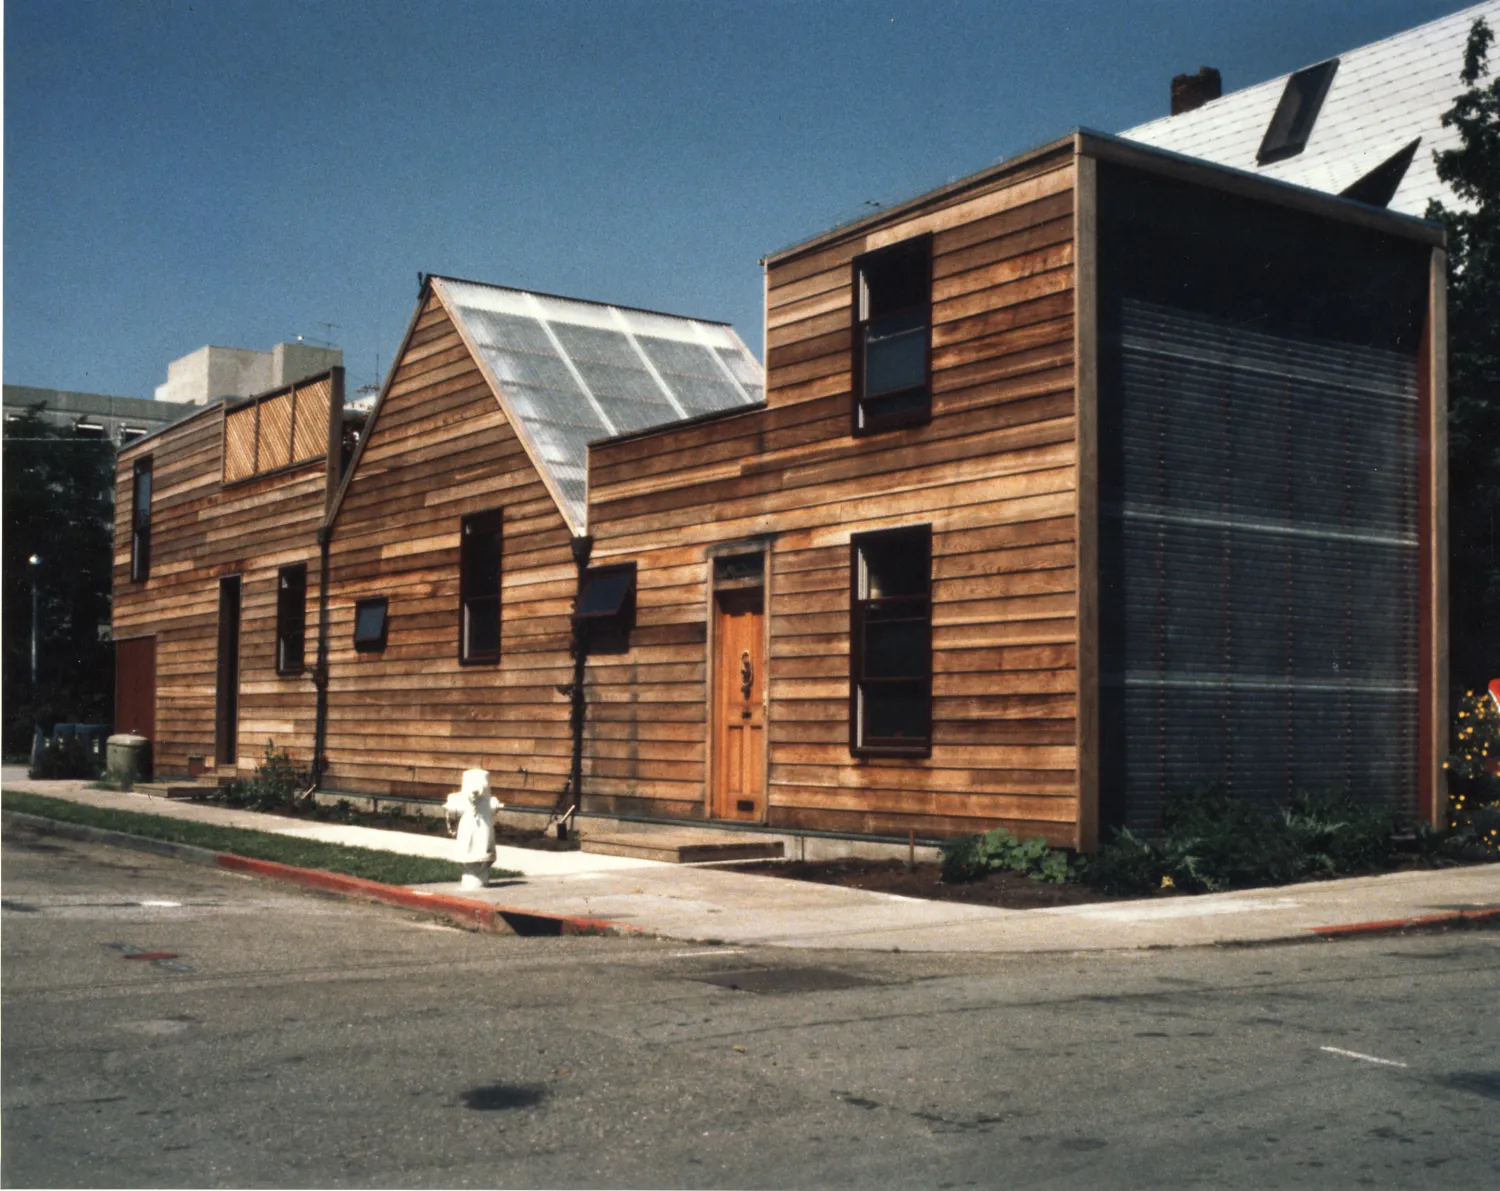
140 521
892 365
479 588
890 643
370 624
604 612
291 618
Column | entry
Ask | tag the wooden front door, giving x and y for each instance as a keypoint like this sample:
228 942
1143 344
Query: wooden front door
227 700
135 689
739 723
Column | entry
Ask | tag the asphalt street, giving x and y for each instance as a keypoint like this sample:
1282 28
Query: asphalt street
171 1025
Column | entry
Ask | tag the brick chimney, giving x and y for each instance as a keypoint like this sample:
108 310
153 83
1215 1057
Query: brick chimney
1191 91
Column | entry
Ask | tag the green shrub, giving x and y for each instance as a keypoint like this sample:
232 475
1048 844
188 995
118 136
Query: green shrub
275 785
970 857
1212 841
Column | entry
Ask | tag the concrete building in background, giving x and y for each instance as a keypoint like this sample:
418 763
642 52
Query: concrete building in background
92 415
214 372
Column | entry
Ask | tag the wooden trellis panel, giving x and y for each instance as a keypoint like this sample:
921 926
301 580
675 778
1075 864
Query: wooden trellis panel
275 435
310 429
239 444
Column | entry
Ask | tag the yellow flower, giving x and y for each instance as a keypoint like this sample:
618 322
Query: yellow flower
1168 883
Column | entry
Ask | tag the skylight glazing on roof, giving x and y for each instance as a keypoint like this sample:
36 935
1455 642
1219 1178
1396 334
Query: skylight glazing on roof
573 372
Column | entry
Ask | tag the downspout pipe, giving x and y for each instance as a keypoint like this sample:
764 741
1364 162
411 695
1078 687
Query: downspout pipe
572 792
320 667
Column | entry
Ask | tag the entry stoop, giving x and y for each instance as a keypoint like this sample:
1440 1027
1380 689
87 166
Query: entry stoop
681 847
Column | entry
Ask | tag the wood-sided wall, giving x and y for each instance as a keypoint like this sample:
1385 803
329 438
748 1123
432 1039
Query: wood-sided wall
202 531
994 473
410 719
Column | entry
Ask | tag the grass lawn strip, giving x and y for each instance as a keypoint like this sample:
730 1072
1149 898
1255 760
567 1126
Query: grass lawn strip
389 868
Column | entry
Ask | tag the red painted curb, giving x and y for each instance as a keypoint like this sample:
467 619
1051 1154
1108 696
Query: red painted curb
1450 918
466 911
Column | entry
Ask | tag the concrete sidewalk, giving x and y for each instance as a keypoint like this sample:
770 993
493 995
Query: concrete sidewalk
715 905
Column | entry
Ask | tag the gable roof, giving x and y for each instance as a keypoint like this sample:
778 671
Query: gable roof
568 372
1382 97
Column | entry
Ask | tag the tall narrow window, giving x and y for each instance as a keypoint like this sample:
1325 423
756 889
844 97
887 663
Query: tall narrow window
479 588
890 643
140 522
892 317
291 618
1295 115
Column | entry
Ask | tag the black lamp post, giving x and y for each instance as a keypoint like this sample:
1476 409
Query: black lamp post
36 561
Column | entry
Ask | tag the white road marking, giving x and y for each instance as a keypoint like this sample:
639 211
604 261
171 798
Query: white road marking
164 904
698 954
1354 1054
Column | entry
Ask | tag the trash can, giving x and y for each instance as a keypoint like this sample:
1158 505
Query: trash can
128 758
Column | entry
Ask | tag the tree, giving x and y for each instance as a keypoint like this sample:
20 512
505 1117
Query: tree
58 506
1472 171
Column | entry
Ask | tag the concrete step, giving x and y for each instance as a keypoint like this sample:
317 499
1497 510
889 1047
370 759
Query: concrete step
681 847
171 789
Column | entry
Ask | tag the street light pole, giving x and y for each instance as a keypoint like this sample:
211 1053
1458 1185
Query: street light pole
36 561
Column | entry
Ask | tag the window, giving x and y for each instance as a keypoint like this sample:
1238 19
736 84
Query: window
892 362
479 589
890 643
291 618
604 612
369 624
140 522
1287 134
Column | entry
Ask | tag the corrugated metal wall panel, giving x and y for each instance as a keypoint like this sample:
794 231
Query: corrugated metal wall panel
1267 524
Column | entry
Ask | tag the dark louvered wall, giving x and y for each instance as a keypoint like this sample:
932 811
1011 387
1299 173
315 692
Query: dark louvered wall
1259 522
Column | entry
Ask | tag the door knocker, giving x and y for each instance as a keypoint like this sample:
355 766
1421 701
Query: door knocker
747 673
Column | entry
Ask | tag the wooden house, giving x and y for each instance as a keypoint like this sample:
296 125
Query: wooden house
1099 474
216 568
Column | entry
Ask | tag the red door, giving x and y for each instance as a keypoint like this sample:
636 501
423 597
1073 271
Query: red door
135 688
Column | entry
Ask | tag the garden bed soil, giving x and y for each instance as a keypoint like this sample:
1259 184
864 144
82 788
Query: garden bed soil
1006 890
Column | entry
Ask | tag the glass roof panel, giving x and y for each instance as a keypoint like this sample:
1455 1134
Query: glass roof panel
572 372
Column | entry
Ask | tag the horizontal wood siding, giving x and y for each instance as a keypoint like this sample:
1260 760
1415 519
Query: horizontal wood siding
202 531
409 720
994 474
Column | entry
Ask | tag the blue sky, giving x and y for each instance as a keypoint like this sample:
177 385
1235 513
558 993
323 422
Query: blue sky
242 173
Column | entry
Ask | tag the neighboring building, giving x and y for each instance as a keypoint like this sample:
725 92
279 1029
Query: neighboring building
121 420
214 372
1096 475
1363 124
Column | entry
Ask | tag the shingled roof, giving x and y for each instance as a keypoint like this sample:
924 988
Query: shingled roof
1381 98
568 372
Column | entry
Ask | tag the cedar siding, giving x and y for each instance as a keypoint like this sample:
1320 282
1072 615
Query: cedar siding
993 473
203 530
409 719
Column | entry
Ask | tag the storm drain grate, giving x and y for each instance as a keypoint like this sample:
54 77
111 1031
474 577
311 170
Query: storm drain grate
786 980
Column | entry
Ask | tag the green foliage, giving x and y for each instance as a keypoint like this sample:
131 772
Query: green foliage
387 867
59 495
69 757
1473 172
1474 777
970 857
275 785
1212 841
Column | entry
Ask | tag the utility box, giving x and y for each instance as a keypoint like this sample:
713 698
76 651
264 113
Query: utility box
128 757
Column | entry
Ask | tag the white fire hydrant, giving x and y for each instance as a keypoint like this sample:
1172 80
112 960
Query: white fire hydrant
471 816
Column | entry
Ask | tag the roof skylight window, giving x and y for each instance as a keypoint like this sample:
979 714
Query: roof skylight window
1290 127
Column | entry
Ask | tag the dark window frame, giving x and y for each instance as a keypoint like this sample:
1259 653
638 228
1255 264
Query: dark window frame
372 644
476 597
919 744
608 631
140 520
862 420
291 619
1296 112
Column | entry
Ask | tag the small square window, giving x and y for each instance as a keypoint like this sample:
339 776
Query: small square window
370 624
604 612
892 365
